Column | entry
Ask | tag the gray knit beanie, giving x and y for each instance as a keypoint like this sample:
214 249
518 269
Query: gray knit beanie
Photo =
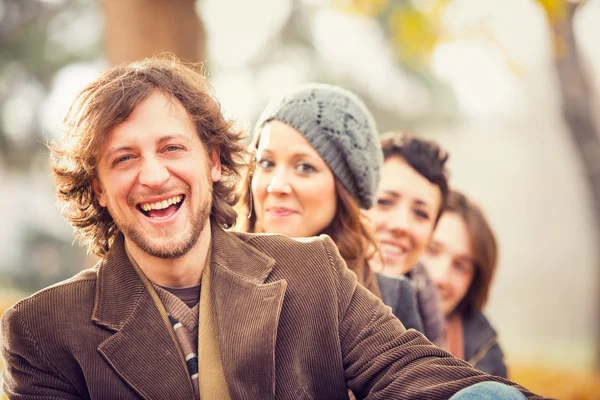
340 128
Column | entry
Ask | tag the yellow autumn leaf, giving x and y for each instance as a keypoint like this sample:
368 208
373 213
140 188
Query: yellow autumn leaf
369 8
414 35
555 10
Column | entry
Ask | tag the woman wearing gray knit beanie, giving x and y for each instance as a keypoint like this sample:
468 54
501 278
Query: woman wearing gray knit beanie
317 164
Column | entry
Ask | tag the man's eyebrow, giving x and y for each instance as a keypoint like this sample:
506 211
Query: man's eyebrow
111 152
173 136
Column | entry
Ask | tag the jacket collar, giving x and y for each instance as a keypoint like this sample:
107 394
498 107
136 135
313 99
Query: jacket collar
118 288
246 314
232 252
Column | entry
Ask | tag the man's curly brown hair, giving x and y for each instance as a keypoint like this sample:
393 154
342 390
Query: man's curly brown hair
109 101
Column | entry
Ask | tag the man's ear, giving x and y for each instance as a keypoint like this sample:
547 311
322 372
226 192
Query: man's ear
215 165
99 192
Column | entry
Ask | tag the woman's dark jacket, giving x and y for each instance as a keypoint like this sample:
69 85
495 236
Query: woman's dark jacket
400 294
481 345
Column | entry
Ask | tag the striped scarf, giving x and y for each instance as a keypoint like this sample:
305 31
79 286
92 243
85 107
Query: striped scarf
184 321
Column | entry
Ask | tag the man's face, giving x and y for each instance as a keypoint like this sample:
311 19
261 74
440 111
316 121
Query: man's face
155 177
404 215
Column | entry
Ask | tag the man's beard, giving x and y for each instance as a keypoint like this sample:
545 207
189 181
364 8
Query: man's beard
169 250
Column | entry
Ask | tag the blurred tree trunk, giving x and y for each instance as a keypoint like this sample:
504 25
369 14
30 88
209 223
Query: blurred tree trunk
135 29
577 100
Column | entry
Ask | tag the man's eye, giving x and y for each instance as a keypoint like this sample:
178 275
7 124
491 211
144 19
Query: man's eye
121 160
172 148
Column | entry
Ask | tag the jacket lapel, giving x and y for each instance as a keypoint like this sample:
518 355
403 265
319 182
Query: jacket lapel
143 351
246 315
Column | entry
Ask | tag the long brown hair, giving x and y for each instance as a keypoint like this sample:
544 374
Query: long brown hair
349 229
109 101
485 252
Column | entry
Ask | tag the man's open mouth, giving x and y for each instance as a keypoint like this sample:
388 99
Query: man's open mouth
162 209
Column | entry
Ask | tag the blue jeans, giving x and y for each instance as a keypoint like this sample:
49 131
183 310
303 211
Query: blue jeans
489 391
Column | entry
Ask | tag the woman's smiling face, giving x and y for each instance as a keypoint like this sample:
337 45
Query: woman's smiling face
293 189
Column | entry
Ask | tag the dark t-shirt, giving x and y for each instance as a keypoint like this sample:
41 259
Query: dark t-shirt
189 295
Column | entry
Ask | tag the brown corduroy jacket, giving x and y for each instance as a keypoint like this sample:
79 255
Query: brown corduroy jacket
291 323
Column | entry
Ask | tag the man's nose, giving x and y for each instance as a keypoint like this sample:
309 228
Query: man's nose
153 173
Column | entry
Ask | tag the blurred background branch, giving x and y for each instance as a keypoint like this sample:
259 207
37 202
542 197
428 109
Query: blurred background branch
136 29
577 102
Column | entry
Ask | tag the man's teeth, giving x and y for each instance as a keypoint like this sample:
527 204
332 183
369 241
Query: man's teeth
160 205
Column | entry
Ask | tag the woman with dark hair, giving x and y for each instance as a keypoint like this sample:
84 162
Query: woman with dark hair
461 260
409 202
317 164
